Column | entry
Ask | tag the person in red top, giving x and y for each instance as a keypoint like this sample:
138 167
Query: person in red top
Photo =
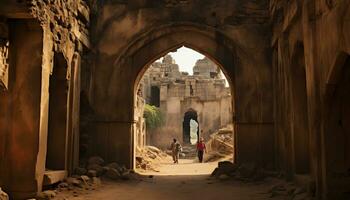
200 149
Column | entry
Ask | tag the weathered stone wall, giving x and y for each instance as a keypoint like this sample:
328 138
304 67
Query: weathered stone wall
204 92
312 35
20 123
139 128
212 115
263 52
37 32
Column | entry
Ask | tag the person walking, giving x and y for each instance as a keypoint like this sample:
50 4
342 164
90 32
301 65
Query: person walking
200 149
176 148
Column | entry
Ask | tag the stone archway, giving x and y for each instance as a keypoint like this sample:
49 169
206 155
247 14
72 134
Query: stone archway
253 118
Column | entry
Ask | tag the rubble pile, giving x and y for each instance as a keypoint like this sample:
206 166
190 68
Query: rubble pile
149 158
96 167
77 185
250 173
89 178
220 144
243 172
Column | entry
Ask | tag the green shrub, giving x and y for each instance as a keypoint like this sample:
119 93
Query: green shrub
154 118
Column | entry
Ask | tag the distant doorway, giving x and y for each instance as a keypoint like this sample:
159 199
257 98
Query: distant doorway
155 96
190 115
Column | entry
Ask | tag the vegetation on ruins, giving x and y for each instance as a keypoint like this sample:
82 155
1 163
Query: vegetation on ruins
154 118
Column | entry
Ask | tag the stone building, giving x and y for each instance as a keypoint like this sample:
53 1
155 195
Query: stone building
140 124
202 97
287 62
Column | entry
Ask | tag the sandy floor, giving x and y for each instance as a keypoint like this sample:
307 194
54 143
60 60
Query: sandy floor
185 167
176 187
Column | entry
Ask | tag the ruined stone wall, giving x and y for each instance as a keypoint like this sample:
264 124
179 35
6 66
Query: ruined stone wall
311 40
140 125
38 32
212 115
205 92
21 104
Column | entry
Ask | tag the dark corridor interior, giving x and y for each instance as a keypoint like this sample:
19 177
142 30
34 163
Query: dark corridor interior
338 133
57 136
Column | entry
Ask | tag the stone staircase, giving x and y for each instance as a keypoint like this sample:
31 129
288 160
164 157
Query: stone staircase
189 151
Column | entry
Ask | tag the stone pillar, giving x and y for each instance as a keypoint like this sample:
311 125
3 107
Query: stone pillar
254 123
74 113
46 69
22 104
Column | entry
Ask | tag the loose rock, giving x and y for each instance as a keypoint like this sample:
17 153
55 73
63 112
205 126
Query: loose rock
92 173
46 195
113 174
73 181
96 160
3 195
80 171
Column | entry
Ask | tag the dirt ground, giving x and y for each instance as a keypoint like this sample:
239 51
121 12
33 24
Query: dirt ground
185 167
179 186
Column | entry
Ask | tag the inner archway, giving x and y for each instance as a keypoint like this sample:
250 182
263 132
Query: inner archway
190 125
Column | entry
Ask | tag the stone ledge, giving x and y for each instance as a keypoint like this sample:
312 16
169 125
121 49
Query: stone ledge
52 177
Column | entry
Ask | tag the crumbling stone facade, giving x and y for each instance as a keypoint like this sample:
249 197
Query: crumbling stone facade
41 43
287 63
139 128
176 93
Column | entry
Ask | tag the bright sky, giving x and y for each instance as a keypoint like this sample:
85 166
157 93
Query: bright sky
186 58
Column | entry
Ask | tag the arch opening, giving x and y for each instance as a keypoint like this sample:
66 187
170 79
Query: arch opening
190 127
187 100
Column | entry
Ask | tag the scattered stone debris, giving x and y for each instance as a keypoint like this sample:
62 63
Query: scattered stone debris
149 157
89 178
243 172
250 173
46 195
290 191
3 195
220 145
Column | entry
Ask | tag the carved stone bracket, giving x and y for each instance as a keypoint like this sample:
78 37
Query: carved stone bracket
4 46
